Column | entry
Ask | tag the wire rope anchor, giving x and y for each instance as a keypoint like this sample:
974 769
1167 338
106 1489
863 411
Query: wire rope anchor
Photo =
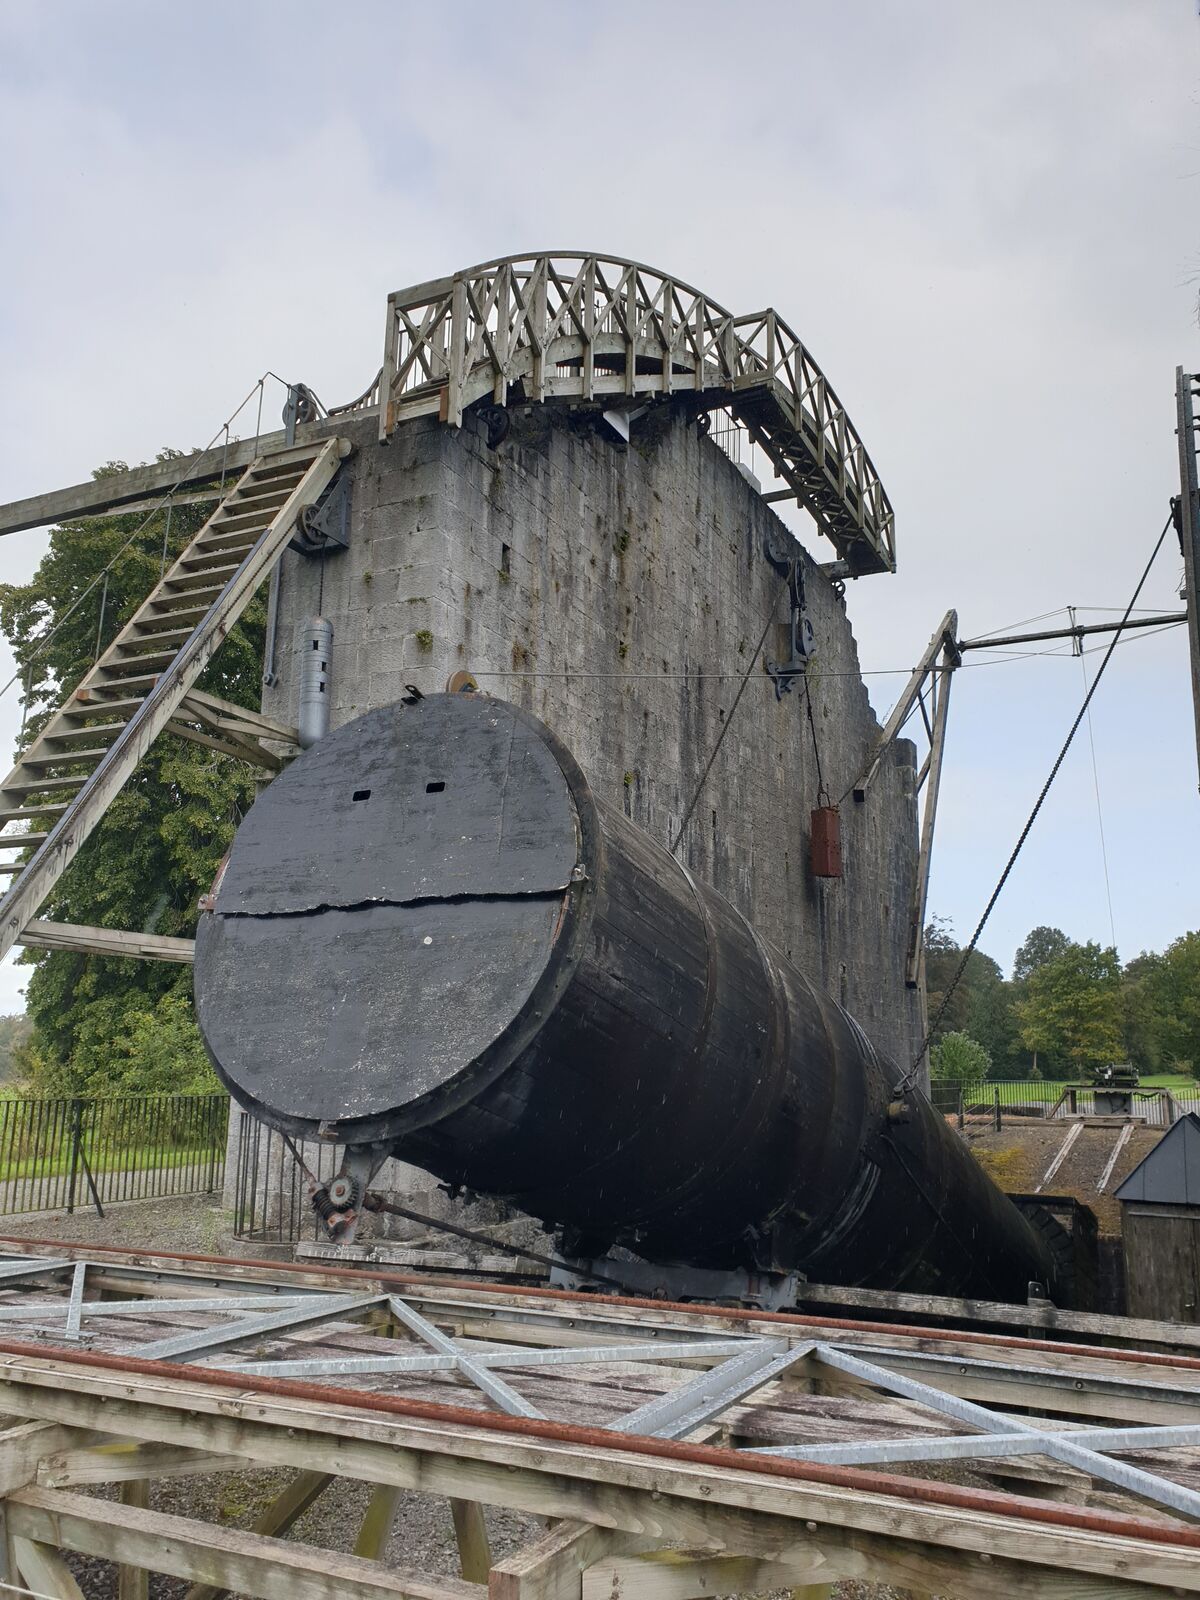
801 638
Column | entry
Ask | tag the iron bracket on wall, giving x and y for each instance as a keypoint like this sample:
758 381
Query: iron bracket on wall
325 527
784 674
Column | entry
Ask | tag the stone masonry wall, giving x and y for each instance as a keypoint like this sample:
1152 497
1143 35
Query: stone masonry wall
618 592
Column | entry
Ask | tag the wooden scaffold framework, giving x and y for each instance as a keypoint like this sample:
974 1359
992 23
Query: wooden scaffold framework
677 1452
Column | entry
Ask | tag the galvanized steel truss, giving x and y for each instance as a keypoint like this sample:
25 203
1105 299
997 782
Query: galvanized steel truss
586 328
397 1360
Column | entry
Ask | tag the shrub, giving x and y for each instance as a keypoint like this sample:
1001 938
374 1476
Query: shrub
957 1058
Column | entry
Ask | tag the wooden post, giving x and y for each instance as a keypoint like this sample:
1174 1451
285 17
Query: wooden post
45 1571
286 1508
376 1530
474 1549
133 1583
1189 527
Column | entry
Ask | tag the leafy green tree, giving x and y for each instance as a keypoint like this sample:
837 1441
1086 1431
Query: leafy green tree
980 1005
1072 1007
1040 946
159 845
1177 992
14 1031
958 1058
1141 1005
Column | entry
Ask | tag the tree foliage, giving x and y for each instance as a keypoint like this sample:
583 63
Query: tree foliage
1068 1006
958 1058
1039 946
158 847
1072 1007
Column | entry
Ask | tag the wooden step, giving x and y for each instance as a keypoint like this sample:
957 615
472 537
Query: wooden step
199 581
90 730
21 841
142 680
170 635
31 813
66 758
210 560
260 496
101 706
265 505
165 611
125 655
235 543
249 526
24 786
282 465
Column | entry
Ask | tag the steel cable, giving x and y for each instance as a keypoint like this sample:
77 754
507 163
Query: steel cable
910 1077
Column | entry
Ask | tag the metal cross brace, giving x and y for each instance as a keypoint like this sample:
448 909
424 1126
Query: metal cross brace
982 1446
1051 1378
25 1267
505 1356
495 1388
1148 1485
46 1310
203 1341
75 1303
676 1413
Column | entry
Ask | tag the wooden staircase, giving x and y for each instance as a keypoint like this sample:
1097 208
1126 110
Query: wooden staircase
145 681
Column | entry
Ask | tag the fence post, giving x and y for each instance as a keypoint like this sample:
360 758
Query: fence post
76 1139
962 1121
996 1092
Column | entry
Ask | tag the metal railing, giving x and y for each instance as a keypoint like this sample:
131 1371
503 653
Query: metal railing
57 1154
270 1198
1026 1098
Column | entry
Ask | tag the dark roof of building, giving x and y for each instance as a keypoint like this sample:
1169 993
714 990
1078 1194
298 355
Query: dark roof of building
1170 1174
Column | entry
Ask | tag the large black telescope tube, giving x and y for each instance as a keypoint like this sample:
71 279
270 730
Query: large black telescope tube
431 936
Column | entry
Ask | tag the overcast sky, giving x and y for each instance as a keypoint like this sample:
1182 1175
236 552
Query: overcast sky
980 218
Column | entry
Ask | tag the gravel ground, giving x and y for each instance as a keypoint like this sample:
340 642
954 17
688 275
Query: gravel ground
422 1536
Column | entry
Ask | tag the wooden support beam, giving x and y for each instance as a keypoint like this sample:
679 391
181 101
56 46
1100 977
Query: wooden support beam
125 1459
682 1575
372 1541
687 1503
133 1583
552 1568
148 484
471 1535
814 1567
279 1518
45 935
45 1571
223 1557
24 1447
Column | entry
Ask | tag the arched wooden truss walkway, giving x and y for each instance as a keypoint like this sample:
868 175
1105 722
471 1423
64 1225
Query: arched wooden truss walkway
568 326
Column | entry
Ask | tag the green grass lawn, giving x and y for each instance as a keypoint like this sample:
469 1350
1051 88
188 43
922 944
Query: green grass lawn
59 1163
1036 1090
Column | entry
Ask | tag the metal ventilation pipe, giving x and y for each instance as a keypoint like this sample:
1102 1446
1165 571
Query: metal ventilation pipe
316 653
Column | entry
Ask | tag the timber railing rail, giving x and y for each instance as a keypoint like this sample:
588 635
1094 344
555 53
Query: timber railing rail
574 327
78 1151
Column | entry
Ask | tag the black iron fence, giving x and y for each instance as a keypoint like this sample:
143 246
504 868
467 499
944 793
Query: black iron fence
77 1151
1028 1098
270 1192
